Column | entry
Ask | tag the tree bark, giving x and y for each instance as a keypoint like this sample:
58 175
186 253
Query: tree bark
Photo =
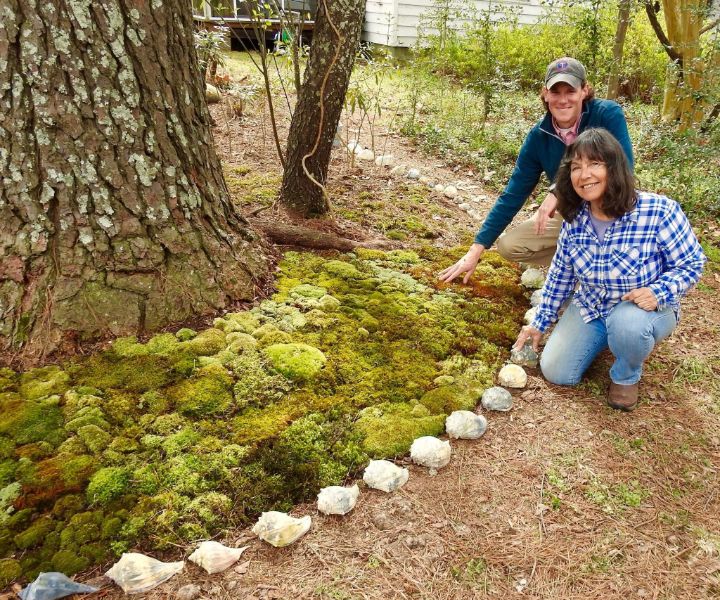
114 214
338 24
618 48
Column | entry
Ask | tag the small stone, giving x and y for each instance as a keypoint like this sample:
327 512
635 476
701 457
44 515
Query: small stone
414 174
355 147
465 206
385 160
525 357
533 278
188 592
530 315
212 94
450 192
382 521
440 188
397 171
512 376
425 180
497 398
536 297
430 452
488 176
366 154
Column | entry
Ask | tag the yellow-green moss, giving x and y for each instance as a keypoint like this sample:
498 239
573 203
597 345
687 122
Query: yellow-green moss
35 534
107 484
208 393
10 570
297 362
44 381
27 421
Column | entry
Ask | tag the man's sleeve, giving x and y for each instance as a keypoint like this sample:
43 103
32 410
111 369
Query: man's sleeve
523 180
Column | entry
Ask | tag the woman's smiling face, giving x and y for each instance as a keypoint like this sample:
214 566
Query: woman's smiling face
589 179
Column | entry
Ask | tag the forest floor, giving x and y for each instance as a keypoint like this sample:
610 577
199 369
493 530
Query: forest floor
561 498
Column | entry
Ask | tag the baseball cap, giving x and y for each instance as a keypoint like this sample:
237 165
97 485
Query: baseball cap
566 69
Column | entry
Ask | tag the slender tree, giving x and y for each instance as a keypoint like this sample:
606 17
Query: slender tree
686 86
338 24
618 48
114 215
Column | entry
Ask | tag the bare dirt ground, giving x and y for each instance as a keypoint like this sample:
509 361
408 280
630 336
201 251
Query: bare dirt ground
562 498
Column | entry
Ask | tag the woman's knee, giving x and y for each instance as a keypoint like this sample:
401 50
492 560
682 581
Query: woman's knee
556 370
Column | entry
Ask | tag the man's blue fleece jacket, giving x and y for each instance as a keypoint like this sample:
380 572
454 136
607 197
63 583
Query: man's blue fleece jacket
541 152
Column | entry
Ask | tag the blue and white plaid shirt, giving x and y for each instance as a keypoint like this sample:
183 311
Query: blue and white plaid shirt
651 246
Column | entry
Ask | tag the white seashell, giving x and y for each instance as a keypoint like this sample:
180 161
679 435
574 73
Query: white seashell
385 160
536 297
384 475
532 278
513 376
214 557
530 315
136 573
450 191
337 500
430 452
465 425
280 529
366 154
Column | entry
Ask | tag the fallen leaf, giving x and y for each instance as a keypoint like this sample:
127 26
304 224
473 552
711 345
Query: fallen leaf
242 568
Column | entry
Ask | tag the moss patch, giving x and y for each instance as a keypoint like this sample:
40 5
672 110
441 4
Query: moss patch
159 443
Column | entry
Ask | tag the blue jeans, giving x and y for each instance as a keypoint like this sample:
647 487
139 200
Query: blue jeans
629 331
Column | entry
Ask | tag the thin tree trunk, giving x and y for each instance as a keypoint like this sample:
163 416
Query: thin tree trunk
618 48
335 40
114 215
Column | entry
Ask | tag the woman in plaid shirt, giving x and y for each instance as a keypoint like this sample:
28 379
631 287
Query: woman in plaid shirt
632 256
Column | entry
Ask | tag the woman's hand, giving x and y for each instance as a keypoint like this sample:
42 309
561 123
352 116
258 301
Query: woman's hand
528 333
545 213
466 264
643 297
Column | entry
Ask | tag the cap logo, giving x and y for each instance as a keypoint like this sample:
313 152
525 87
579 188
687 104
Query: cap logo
561 66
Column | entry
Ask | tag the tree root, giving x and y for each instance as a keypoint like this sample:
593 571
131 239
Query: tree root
306 237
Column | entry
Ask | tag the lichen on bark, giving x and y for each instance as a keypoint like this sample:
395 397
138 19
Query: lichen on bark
109 176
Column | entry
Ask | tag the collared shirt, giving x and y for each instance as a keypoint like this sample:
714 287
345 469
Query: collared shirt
651 246
566 135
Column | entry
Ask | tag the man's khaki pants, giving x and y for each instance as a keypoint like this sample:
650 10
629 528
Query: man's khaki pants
522 244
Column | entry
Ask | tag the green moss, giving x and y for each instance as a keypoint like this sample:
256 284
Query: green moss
27 421
7 472
448 398
94 438
243 322
87 416
166 424
136 373
390 429
185 334
107 484
208 393
8 379
342 270
180 441
256 425
42 382
8 495
7 447
35 534
66 506
206 343
297 362
69 562
10 570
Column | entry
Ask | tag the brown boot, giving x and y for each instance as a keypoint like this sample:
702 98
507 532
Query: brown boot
623 397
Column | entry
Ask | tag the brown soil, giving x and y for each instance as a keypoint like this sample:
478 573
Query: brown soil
562 498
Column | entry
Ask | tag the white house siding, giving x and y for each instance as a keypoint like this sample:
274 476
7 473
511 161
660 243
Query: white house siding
395 22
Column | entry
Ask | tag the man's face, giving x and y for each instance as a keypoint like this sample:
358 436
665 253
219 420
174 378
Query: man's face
565 103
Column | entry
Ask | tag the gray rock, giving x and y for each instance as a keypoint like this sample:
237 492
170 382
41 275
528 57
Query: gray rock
188 592
466 425
413 174
212 94
536 297
366 154
525 357
450 192
439 188
530 315
465 206
497 398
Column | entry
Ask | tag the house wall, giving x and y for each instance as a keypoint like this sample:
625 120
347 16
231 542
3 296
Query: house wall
395 23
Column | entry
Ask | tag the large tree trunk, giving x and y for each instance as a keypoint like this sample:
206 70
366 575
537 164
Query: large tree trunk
618 48
114 215
337 33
